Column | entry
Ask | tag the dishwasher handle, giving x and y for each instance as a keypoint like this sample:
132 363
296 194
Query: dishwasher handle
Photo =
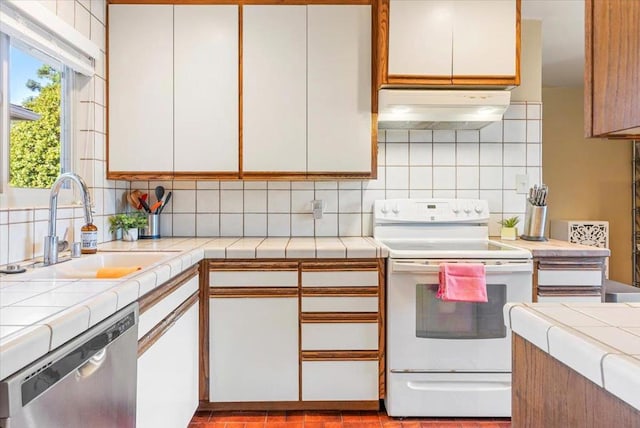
421 266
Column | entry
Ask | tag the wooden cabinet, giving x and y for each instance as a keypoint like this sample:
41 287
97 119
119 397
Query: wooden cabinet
274 86
339 89
340 324
206 89
307 90
446 42
612 69
213 91
254 347
168 353
293 334
173 91
140 116
568 279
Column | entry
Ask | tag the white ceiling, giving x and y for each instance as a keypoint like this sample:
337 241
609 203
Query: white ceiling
562 39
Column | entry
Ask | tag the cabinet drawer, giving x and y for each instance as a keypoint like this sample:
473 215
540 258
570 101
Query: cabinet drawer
339 304
339 336
339 380
253 278
160 310
340 279
575 298
576 278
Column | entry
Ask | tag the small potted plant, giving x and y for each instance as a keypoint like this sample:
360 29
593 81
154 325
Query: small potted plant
509 230
128 224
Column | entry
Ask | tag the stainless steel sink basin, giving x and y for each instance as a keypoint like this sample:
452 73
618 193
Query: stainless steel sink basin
87 266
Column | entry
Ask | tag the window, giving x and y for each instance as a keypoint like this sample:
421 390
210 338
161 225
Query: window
40 109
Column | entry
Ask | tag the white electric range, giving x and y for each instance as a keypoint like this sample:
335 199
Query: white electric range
447 358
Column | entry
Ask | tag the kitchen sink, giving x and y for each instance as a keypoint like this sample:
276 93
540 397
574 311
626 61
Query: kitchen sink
87 266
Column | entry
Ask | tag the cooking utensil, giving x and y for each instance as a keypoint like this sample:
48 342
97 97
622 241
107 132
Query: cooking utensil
159 190
144 204
166 201
133 201
155 206
135 196
538 195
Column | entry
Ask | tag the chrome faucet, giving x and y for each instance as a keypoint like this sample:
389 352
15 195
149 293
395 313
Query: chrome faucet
51 240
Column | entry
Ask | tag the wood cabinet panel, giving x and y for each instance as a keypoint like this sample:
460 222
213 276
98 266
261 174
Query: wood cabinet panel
484 38
339 380
274 66
206 88
168 376
339 88
612 77
140 77
253 349
420 38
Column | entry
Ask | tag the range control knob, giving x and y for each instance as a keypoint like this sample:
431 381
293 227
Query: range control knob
384 209
396 209
478 209
455 209
467 210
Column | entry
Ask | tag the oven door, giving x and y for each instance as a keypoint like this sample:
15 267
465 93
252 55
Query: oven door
425 334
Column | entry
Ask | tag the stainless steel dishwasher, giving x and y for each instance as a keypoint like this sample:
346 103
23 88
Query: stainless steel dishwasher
89 381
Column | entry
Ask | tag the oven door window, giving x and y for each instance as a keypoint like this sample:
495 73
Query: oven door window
436 319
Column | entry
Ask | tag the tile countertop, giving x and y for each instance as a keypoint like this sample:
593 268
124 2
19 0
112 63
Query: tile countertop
556 248
601 341
38 315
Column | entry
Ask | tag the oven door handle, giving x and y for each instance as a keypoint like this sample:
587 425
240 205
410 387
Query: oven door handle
409 266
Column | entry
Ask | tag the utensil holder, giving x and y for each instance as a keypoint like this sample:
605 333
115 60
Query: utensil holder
535 219
152 231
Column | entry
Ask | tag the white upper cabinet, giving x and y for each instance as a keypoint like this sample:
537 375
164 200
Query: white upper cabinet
339 88
206 88
274 66
420 37
140 88
484 41
452 42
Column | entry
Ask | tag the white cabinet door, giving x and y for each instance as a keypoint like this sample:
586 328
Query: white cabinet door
339 88
140 88
168 376
206 88
253 349
484 38
274 88
420 37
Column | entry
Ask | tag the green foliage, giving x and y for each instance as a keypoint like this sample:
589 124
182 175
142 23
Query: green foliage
510 222
127 221
35 145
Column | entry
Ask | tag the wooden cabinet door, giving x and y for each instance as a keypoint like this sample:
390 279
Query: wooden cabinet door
274 82
253 349
140 88
206 88
339 88
420 38
168 376
612 78
484 38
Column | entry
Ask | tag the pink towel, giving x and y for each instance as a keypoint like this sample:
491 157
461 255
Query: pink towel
462 282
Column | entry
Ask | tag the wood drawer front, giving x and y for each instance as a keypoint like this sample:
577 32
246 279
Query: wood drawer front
576 278
366 278
339 336
339 380
253 278
156 313
339 304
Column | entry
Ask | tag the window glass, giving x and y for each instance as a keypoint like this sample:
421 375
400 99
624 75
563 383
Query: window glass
38 128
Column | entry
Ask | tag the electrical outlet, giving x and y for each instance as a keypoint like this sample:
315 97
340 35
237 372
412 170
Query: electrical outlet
522 183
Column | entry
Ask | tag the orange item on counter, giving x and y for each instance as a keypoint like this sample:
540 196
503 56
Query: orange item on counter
116 272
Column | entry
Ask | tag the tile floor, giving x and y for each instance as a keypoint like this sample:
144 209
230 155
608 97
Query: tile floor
318 419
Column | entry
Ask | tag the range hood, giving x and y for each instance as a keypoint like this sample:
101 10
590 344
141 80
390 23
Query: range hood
440 109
